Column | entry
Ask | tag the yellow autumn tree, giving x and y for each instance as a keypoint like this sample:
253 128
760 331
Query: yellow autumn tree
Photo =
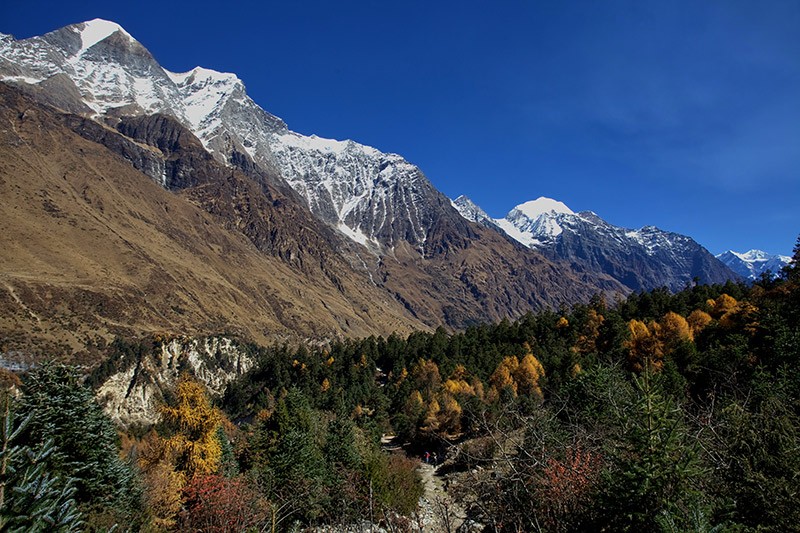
430 423
644 347
528 374
743 317
698 320
414 405
675 329
503 376
449 415
458 384
162 483
734 314
426 377
522 377
194 423
587 340
456 387
722 305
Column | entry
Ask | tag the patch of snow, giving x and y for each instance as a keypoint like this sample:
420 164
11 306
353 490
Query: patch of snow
635 236
145 94
295 140
518 235
356 235
94 31
23 79
758 256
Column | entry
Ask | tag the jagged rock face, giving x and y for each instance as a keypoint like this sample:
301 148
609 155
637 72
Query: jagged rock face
97 248
133 394
752 264
107 71
376 199
472 212
641 259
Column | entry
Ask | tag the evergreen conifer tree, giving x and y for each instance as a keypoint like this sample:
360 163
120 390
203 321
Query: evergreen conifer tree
656 466
31 498
63 411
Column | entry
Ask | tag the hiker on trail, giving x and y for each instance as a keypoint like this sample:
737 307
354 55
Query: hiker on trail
427 457
435 459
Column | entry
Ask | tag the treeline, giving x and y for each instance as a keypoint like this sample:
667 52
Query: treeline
659 412
663 411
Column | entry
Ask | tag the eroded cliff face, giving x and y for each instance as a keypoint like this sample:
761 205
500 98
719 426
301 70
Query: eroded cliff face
134 392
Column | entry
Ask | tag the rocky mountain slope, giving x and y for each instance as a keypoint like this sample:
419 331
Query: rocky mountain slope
367 225
752 264
96 247
640 259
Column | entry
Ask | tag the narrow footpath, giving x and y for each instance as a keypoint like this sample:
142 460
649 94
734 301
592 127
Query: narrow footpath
438 512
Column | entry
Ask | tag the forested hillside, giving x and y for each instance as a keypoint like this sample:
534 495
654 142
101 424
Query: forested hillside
671 412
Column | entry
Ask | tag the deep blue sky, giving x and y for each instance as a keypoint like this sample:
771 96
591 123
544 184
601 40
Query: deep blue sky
679 114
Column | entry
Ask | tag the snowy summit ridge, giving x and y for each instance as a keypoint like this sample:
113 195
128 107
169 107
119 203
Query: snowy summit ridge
754 263
373 198
535 208
96 30
644 258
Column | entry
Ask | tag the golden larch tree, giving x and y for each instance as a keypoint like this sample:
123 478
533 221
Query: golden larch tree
528 374
503 376
194 423
644 347
698 320
675 329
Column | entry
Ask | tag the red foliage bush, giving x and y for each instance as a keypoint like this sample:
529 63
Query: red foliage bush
217 504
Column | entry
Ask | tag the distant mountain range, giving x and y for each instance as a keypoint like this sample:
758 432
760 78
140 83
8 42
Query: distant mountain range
752 264
639 259
142 200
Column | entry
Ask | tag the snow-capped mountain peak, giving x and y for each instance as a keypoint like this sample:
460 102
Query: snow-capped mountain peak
536 222
640 259
752 264
370 196
535 208
96 30
754 255
203 92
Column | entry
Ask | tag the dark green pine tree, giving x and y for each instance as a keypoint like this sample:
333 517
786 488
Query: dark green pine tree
792 270
291 465
31 498
656 470
63 411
